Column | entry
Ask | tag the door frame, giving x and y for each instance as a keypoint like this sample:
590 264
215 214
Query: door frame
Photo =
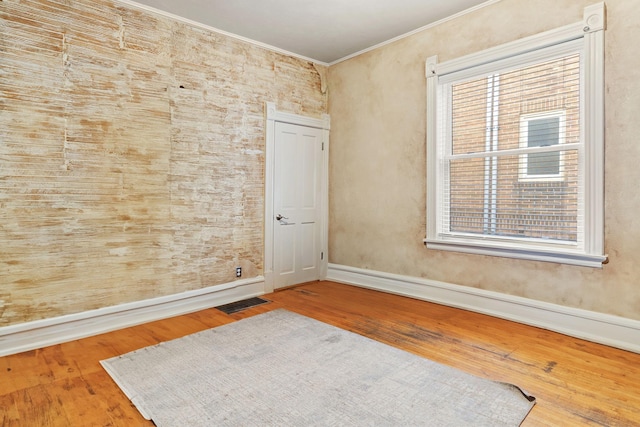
273 115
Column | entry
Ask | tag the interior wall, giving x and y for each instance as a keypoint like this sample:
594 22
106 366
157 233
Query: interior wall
378 160
132 154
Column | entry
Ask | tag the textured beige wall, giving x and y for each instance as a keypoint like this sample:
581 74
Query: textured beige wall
377 165
131 154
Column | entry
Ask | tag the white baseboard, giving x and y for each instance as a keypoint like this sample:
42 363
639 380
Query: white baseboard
41 333
601 328
592 326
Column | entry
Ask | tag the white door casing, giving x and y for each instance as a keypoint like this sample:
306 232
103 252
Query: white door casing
296 188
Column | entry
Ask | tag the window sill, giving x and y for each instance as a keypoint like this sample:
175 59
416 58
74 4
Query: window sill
545 254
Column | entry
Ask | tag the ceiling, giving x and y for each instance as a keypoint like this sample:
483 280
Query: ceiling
321 30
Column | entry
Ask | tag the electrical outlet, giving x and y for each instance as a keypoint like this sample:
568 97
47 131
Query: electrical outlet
238 271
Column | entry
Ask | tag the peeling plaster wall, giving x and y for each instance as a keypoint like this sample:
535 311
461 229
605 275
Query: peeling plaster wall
377 160
131 154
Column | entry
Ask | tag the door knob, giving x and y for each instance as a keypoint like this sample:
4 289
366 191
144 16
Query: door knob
280 217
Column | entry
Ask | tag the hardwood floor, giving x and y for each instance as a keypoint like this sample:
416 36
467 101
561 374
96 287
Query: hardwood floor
575 382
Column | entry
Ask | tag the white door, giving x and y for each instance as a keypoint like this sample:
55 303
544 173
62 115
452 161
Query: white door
297 204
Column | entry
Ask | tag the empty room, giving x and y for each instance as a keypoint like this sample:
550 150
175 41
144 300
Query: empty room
413 212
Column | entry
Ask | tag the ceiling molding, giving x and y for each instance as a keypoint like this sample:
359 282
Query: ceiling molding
179 18
417 30
275 49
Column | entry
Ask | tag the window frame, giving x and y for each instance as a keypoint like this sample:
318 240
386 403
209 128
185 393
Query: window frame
589 249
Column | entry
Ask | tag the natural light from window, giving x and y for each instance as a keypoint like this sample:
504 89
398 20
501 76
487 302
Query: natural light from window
515 148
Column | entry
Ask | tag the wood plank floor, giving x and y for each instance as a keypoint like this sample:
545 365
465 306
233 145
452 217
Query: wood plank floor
575 382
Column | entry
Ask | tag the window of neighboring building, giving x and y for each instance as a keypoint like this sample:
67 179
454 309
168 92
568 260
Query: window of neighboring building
541 131
515 148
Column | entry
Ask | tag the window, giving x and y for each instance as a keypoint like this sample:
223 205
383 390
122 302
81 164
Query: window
515 148
542 130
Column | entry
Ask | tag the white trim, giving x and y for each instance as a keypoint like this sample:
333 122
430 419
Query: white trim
179 18
153 10
593 116
531 48
324 232
594 18
521 250
416 31
434 198
41 333
273 115
600 328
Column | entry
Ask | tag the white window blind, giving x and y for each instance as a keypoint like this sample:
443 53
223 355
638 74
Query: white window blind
515 148
509 175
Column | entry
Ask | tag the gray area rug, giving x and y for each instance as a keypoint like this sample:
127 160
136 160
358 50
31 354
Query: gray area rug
283 369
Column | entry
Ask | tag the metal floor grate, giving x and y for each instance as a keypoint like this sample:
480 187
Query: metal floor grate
241 305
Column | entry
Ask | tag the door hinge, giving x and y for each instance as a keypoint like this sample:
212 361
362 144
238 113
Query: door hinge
321 256
323 146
